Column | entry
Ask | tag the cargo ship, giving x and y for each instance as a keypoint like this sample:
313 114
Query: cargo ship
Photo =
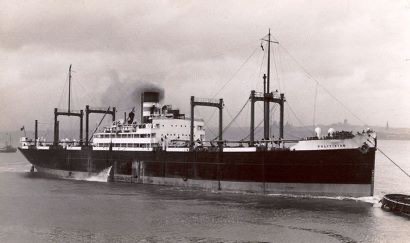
166 147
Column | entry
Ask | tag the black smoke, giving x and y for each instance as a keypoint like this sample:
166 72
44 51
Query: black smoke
125 93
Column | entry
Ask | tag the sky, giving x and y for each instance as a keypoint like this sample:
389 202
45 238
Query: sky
335 60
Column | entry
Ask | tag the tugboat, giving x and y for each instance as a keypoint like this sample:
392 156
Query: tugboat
167 147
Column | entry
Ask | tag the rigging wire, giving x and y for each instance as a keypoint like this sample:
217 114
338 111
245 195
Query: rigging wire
318 83
272 114
294 114
236 72
276 69
59 103
63 91
106 112
210 118
230 79
272 109
256 129
407 174
314 107
260 69
391 160
207 128
233 119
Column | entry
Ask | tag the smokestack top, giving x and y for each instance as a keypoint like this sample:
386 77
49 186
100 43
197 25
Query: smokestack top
150 96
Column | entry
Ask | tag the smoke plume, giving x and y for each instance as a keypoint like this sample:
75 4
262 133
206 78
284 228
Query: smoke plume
125 93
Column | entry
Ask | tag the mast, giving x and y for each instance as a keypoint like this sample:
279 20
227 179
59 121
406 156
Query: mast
266 105
69 88
268 82
267 94
266 99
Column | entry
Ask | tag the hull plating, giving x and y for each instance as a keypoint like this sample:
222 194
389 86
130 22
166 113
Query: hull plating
346 172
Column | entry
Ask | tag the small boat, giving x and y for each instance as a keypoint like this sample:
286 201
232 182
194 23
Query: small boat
398 203
8 148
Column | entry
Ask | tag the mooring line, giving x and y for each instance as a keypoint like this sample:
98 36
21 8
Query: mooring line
393 162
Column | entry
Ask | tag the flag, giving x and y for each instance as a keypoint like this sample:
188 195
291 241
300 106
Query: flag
22 128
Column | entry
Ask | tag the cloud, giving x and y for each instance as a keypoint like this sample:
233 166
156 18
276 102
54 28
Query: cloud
357 50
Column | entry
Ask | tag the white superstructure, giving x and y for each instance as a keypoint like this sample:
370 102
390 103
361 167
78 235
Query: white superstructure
160 127
160 133
333 140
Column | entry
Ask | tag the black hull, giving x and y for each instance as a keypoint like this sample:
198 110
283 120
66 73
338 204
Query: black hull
344 166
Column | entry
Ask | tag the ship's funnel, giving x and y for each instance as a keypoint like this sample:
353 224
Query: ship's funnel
318 132
149 105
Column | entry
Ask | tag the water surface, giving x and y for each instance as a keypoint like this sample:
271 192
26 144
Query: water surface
36 209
